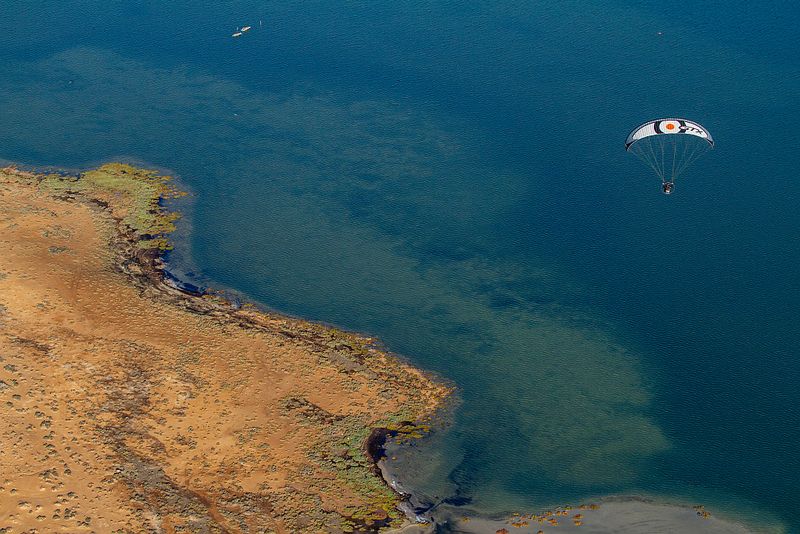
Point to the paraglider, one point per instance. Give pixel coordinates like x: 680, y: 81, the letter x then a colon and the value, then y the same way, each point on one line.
x: 669, y: 146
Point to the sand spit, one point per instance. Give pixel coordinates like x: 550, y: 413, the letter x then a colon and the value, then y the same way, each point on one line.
x: 129, y: 406
x: 633, y: 516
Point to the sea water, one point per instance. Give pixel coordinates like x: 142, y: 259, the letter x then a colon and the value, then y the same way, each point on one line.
x: 450, y: 177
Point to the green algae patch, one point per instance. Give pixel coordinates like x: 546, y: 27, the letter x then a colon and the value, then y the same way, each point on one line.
x: 348, y: 454
x: 355, y: 469
x: 132, y: 194
x: 406, y: 432
x: 344, y: 456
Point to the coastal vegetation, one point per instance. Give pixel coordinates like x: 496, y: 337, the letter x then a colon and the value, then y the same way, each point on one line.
x: 133, y: 194
x: 139, y: 406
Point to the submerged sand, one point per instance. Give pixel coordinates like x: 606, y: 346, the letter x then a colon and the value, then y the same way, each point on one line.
x: 129, y: 406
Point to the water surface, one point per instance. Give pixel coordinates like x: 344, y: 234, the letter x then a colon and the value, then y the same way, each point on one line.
x: 451, y: 178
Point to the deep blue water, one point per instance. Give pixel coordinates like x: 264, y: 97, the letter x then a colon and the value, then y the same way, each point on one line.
x: 450, y: 177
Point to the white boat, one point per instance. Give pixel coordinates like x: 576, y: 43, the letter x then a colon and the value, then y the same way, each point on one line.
x: 237, y: 34
x: 244, y: 29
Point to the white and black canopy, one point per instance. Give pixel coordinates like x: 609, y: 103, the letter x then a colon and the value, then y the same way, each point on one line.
x: 668, y: 126
x: 670, y: 145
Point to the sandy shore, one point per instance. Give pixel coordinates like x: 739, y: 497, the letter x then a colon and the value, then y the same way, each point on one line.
x: 129, y: 406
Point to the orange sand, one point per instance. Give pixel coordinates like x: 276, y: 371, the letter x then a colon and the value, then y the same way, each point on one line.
x: 127, y: 406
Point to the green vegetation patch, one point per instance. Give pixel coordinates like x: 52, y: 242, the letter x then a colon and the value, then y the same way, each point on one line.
x: 133, y: 194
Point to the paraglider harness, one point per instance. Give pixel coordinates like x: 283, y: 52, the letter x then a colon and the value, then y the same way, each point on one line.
x: 667, y: 187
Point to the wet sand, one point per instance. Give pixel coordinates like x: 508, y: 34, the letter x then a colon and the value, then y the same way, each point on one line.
x: 127, y: 405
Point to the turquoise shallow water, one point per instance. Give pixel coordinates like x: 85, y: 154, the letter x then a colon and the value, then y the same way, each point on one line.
x: 451, y: 178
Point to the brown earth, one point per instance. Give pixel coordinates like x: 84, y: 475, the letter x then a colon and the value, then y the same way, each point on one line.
x: 129, y: 406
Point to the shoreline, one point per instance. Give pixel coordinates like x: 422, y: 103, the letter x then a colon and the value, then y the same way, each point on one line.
x: 147, y: 269
x: 386, y: 390
x: 156, y: 270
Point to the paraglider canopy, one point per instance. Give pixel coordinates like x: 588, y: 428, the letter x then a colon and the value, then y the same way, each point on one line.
x: 666, y: 127
x: 669, y: 145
